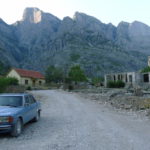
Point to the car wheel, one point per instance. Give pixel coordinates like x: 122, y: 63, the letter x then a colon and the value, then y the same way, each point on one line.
x: 37, y: 117
x: 17, y: 129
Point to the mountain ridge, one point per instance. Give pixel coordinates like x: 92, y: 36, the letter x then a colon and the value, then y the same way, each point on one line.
x: 41, y: 39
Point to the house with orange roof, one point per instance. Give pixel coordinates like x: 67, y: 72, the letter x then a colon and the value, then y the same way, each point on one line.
x: 27, y: 77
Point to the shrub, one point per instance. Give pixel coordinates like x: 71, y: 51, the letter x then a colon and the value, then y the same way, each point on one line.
x: 116, y: 84
x: 28, y: 88
x: 5, y: 82
x: 12, y: 81
x: 70, y: 87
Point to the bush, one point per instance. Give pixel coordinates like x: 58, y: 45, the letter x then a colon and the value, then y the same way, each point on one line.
x: 116, y: 84
x: 12, y: 81
x: 70, y: 87
x: 29, y: 88
x: 5, y: 82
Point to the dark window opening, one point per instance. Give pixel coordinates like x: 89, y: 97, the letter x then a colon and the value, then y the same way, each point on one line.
x: 146, y: 77
x: 126, y: 78
x: 33, y: 82
x: 130, y: 78
x: 121, y: 77
x: 26, y: 82
x: 40, y: 82
x: 114, y: 78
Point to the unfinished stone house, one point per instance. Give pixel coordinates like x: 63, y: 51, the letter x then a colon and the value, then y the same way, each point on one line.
x: 131, y: 78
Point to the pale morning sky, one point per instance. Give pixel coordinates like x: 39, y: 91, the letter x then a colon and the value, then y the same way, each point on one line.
x: 107, y: 11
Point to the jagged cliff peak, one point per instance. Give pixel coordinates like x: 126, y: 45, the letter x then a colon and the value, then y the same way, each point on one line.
x: 138, y: 24
x: 123, y: 23
x: 33, y: 15
x: 80, y: 17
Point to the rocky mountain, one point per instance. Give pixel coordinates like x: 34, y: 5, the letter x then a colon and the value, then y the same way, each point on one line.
x: 10, y: 53
x: 134, y: 36
x: 41, y: 39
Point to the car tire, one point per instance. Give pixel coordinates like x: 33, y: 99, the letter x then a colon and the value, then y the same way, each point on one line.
x: 17, y: 129
x: 37, y: 117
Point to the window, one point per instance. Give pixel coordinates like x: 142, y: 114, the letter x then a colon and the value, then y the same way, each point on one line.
x: 114, y: 78
x: 40, y: 82
x: 26, y: 82
x: 146, y: 77
x: 32, y: 100
x: 119, y: 77
x: 11, y: 101
x: 33, y: 82
x: 130, y: 78
x: 27, y: 100
x: 126, y: 78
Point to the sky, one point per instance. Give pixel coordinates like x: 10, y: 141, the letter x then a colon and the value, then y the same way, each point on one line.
x: 107, y: 11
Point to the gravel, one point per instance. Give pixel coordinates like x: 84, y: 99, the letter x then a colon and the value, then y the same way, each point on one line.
x: 69, y: 122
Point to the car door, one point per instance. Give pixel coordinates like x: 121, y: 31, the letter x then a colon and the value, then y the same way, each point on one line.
x: 33, y: 105
x: 27, y: 109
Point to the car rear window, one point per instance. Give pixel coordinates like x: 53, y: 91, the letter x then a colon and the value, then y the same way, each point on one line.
x: 11, y: 101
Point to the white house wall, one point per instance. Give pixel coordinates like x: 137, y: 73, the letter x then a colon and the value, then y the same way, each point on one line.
x: 14, y: 74
x: 30, y: 81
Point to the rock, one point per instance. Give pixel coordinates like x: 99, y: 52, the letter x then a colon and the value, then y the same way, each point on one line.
x: 128, y: 106
x: 138, y: 92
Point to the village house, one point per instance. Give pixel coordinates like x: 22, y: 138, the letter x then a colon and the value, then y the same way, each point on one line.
x: 27, y: 77
x: 132, y: 78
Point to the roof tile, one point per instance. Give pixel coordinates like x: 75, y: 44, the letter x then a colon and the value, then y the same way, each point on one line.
x: 29, y: 73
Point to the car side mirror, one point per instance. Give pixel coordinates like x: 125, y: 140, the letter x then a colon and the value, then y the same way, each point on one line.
x: 26, y: 104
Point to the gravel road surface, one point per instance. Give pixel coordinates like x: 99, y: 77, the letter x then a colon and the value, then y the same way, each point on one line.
x: 69, y: 122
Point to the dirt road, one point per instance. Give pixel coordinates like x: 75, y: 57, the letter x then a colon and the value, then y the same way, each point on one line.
x: 69, y: 122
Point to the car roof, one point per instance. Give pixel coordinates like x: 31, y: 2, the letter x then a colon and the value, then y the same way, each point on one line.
x: 14, y: 94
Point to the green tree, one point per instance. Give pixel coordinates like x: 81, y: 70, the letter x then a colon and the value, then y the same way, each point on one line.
x: 146, y: 69
x: 76, y: 74
x: 54, y: 74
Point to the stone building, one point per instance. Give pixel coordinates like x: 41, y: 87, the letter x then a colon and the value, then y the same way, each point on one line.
x: 133, y: 78
x: 27, y: 77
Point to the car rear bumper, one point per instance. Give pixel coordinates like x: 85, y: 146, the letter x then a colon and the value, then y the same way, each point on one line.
x: 5, y: 128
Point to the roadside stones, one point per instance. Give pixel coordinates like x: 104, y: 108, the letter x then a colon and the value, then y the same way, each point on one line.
x: 138, y: 92
x: 120, y: 98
